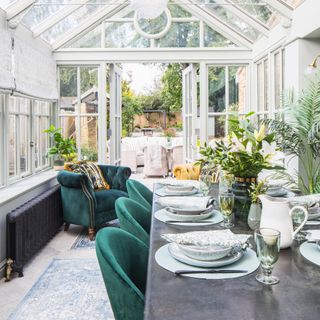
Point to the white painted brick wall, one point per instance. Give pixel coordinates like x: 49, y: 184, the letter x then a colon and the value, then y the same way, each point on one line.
x: 35, y: 67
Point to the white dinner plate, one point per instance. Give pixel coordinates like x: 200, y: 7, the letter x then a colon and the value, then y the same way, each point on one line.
x: 189, y: 217
x: 215, y: 218
x: 164, y: 192
x: 180, y: 256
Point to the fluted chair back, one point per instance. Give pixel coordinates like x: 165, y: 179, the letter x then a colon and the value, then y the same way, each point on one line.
x: 139, y: 193
x: 123, y: 261
x: 134, y: 218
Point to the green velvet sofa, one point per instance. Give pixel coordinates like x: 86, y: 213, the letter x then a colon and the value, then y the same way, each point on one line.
x: 89, y: 208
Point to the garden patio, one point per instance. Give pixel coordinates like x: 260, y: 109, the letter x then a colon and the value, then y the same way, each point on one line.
x: 159, y: 159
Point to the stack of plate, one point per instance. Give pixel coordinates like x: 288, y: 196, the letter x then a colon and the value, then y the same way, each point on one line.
x: 192, y: 214
x: 177, y: 190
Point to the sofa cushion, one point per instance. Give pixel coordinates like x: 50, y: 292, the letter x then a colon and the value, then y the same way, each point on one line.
x: 106, y: 199
x: 92, y: 171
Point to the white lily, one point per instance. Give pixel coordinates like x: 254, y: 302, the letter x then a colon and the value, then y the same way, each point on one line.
x: 271, y: 154
x: 249, y: 148
x: 237, y: 146
x: 261, y: 134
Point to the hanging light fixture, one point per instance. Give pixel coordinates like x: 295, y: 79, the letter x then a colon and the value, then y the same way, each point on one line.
x: 146, y: 9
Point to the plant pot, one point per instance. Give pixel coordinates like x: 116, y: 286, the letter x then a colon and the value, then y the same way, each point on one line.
x: 254, y: 216
x: 242, y: 200
x: 58, y: 165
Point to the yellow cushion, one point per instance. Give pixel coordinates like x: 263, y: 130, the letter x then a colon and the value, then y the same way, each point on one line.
x: 186, y: 172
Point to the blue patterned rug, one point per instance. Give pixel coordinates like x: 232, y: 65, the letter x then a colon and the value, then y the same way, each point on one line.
x: 83, y: 241
x: 68, y: 290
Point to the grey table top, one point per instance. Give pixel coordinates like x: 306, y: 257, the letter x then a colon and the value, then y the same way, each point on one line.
x: 168, y: 297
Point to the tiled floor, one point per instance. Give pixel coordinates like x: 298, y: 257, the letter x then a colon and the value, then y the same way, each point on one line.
x: 11, y: 293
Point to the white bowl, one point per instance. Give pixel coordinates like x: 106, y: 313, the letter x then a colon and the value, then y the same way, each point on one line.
x: 205, y: 253
x: 190, y: 211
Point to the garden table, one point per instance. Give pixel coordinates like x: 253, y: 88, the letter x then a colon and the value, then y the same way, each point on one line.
x: 170, y: 297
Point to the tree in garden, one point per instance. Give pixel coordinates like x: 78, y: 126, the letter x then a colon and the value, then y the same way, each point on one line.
x: 130, y: 107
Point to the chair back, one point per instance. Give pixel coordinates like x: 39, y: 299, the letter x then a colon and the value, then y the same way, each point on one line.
x: 123, y: 261
x: 140, y: 193
x: 134, y: 218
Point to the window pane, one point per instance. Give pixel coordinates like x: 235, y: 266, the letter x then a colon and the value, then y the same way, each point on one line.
x: 68, y: 126
x: 124, y: 35
x: 24, y: 143
x: 181, y: 34
x: 178, y: 12
x: 216, y: 127
x: 89, y: 90
x: 277, y: 80
x: 44, y: 141
x: 37, y: 134
x: 260, y: 86
x: 237, y: 88
x: 217, y: 89
x: 266, y: 85
x: 89, y: 138
x: 214, y: 39
x: 12, y: 146
x: 90, y: 40
x: 68, y: 89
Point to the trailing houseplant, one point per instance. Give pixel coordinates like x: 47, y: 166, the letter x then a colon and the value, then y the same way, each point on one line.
x: 63, y: 149
x: 299, y: 134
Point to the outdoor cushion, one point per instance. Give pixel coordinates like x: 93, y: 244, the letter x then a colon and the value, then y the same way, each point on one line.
x: 123, y: 261
x: 106, y: 199
x: 134, y: 218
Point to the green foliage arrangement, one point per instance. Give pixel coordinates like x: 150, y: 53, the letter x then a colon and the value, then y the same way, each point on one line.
x: 299, y: 134
x: 246, y: 152
x: 257, y: 189
x: 169, y: 133
x: 63, y: 148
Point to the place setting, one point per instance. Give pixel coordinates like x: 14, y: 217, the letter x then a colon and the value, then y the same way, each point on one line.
x: 310, y: 249
x: 188, y: 211
x: 178, y: 189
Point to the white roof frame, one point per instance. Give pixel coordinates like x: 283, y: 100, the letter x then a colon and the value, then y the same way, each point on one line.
x: 17, y: 7
x: 249, y: 19
x: 57, y: 17
x: 281, y: 7
x: 89, y: 23
x: 216, y: 23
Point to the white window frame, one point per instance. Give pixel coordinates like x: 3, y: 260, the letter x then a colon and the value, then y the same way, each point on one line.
x: 227, y: 112
x: 77, y: 114
x: 5, y: 180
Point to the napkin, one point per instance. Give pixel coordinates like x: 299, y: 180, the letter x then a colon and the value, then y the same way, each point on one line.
x: 198, y: 203
x: 313, y: 235
x: 311, y: 199
x: 224, y: 238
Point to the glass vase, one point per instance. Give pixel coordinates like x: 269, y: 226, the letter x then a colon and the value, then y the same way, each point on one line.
x: 254, y: 216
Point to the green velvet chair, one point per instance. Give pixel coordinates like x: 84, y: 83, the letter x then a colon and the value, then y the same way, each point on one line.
x: 123, y: 261
x: 89, y: 208
x: 134, y: 218
x: 140, y: 193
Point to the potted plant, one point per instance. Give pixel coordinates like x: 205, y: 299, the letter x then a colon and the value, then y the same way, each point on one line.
x: 254, y: 216
x: 169, y: 133
x: 63, y: 149
x: 244, y: 154
x: 299, y: 135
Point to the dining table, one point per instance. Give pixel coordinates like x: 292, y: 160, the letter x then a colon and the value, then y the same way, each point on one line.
x: 171, y: 297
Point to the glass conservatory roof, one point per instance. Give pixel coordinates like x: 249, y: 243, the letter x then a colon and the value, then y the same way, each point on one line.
x: 109, y: 23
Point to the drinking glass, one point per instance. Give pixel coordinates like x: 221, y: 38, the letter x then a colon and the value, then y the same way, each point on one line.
x: 298, y: 217
x: 226, y: 202
x: 205, y: 183
x: 268, y: 247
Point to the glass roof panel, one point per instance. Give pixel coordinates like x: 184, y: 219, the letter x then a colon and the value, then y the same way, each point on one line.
x: 293, y: 3
x: 6, y: 3
x: 42, y: 10
x: 231, y: 19
x: 73, y: 20
x: 178, y: 12
x: 214, y: 39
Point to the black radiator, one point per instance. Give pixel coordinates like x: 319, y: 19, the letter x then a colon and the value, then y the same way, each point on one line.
x: 30, y: 227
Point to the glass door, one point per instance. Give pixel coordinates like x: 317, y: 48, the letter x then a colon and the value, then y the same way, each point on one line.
x: 189, y: 111
x: 115, y: 115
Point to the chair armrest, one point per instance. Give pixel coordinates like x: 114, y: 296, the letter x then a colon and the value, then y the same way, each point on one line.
x: 72, y: 180
x: 116, y: 176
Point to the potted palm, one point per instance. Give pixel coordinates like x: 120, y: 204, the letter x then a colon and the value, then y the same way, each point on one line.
x: 299, y: 135
x: 63, y: 149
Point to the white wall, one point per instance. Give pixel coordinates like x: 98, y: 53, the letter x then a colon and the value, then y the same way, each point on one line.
x: 35, y: 67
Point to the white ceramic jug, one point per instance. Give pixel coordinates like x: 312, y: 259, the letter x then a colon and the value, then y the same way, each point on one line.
x: 276, y: 214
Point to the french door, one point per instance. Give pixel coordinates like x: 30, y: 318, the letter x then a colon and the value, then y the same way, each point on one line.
x: 115, y: 114
x: 189, y: 112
